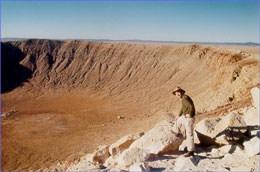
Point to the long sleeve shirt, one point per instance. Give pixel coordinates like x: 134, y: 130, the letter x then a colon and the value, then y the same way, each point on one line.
x: 187, y: 106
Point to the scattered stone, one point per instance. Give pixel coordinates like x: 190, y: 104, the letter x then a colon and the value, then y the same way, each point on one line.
x: 119, y: 117
x: 252, y: 146
x: 84, y: 164
x: 8, y: 114
x: 163, y: 163
x: 139, y: 167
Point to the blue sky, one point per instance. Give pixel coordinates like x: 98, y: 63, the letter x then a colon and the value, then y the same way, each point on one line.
x: 210, y: 21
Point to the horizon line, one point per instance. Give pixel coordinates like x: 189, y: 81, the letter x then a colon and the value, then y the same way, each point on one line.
x: 129, y: 40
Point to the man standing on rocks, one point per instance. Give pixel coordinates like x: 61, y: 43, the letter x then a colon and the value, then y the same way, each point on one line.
x: 186, y: 118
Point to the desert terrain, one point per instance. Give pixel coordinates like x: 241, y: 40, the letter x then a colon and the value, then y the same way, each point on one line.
x: 65, y: 98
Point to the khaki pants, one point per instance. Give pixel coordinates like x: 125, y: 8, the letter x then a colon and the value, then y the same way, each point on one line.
x: 188, y: 124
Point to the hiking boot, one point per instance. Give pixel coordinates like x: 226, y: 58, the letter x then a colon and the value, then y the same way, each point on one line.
x: 175, y: 134
x: 188, y: 154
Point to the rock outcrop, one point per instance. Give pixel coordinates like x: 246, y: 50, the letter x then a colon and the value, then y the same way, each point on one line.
x: 122, y: 144
x: 132, y: 156
x: 85, y: 163
x: 157, y: 149
x: 101, y: 154
x: 204, y: 131
x: 230, y: 127
x: 252, y: 146
x: 230, y: 157
x: 132, y: 150
x: 252, y: 116
x: 159, y: 139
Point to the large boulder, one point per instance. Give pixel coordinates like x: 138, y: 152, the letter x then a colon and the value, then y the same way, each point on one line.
x: 231, y: 127
x: 139, y: 167
x: 133, y: 155
x: 122, y: 144
x: 252, y: 146
x: 207, y: 126
x: 255, y: 96
x: 159, y: 139
x: 204, y: 131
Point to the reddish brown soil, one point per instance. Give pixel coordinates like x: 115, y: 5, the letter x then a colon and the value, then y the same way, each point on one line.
x: 56, y: 127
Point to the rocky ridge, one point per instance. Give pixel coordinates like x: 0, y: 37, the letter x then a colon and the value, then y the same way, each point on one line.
x: 113, y: 69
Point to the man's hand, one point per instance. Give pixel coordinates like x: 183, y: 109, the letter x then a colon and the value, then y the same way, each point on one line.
x: 187, y: 115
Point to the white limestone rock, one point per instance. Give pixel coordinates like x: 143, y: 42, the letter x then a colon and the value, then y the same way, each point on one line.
x: 159, y: 139
x: 133, y: 155
x: 251, y: 116
x: 139, y: 167
x: 84, y: 164
x: 111, y: 161
x: 204, y: 130
x: 214, y: 131
x: 186, y: 164
x: 252, y: 146
x: 123, y: 144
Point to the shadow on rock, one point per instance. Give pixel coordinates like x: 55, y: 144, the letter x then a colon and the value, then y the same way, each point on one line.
x: 12, y: 72
x: 157, y: 169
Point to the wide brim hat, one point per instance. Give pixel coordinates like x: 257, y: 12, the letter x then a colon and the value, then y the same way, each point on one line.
x: 178, y: 89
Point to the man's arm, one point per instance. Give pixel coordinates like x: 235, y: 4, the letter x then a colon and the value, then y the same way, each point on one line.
x: 192, y: 109
x: 180, y: 113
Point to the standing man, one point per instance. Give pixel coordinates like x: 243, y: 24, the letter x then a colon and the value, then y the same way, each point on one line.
x: 185, y: 118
